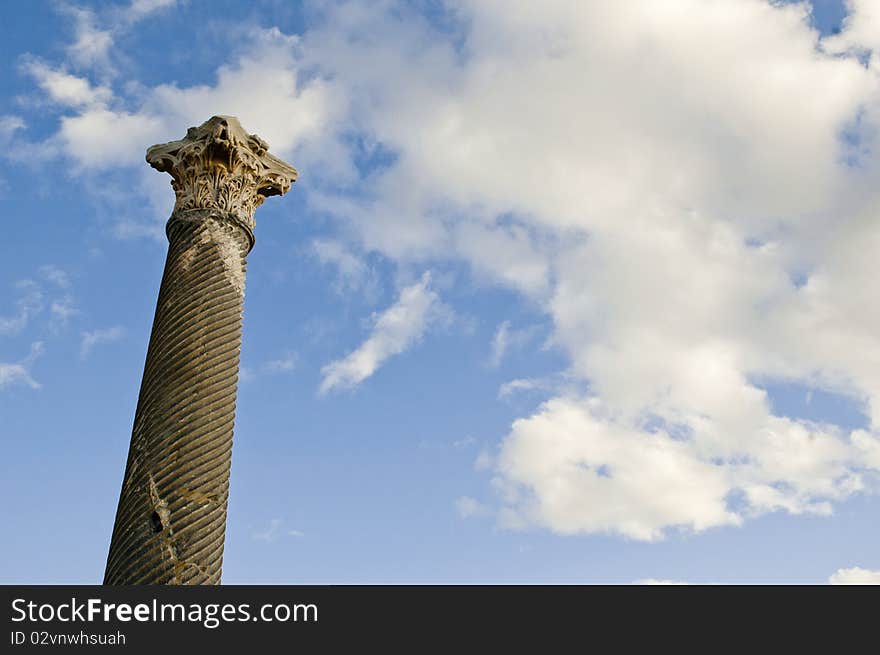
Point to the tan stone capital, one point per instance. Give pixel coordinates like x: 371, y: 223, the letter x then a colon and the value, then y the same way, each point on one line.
x: 218, y: 166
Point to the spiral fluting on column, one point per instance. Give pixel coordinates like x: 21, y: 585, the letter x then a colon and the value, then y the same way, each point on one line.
x: 172, y: 511
x: 171, y: 519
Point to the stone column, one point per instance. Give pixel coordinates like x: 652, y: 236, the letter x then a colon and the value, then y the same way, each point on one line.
x: 171, y: 519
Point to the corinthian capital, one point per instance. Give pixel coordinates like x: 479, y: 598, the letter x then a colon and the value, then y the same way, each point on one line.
x: 218, y: 166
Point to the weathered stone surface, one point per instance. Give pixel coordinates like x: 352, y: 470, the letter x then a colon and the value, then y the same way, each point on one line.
x: 171, y: 519
x: 220, y: 166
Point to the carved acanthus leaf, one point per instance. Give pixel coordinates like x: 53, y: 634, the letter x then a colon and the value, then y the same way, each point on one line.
x: 218, y: 165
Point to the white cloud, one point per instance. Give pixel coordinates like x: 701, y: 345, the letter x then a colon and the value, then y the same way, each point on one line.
x: 67, y: 89
x: 545, y: 386
x: 55, y: 275
x: 63, y: 309
x: 100, y: 138
x: 506, y: 254
x: 354, y: 274
x: 12, y: 374
x: 333, y: 252
x: 9, y: 125
x: 520, y: 384
x: 273, y: 531
x: 139, y: 9
x: 91, y: 46
x: 869, y: 447
x: 263, y: 90
x: 96, y: 337
x: 855, y: 575
x: 861, y: 29
x: 506, y: 339
x: 95, y: 33
x: 282, y: 364
x: 484, y: 461
x: 499, y: 343
x: 137, y: 229
x: 573, y: 469
x: 395, y: 330
x: 270, y: 533
x: 32, y: 301
x: 19, y: 373
x: 246, y: 374
x: 29, y: 304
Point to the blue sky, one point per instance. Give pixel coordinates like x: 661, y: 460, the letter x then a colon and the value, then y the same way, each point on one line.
x: 583, y: 295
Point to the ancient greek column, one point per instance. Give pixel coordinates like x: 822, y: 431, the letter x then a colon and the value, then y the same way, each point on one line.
x: 171, y: 520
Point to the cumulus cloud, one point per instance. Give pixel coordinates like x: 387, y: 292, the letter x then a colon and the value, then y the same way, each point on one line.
x: 855, y: 575
x: 691, y: 224
x: 556, y: 464
x: 664, y: 243
x: 861, y: 30
x: 95, y: 337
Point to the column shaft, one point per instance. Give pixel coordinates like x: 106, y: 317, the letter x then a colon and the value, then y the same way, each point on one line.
x: 171, y: 518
